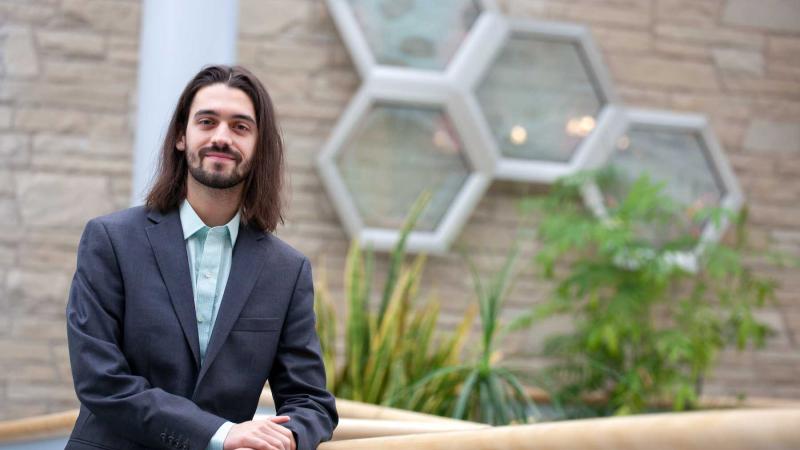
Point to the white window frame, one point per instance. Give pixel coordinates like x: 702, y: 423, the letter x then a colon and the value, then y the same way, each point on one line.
x: 362, y: 55
x: 696, y: 124
x: 435, y: 91
x: 454, y: 90
x: 477, y: 60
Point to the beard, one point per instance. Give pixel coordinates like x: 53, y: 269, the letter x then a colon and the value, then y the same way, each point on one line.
x: 216, y: 178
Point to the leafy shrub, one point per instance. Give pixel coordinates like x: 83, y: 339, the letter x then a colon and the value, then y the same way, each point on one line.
x: 395, y: 357
x: 646, y: 331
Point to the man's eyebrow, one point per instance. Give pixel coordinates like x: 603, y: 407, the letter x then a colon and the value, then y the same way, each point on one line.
x: 211, y: 112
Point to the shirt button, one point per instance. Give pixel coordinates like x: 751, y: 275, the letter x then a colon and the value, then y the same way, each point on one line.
x: 199, y: 318
x: 208, y: 274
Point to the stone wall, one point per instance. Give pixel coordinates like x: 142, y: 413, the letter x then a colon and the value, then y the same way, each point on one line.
x: 67, y: 98
x: 67, y: 80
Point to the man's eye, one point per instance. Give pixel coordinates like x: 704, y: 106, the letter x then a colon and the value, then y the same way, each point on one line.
x: 205, y: 121
x: 242, y: 127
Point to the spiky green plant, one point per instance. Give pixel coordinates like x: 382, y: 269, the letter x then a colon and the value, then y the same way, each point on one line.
x: 387, y: 350
x: 487, y: 392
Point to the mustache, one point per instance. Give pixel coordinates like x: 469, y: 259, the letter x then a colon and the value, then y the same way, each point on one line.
x: 221, y: 150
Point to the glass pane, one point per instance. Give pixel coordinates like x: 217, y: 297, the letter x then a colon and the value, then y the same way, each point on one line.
x: 539, y: 99
x: 423, y: 34
x: 676, y: 158
x: 395, y: 154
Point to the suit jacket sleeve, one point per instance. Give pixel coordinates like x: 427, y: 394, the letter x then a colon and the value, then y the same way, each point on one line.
x: 103, y: 379
x: 297, y: 378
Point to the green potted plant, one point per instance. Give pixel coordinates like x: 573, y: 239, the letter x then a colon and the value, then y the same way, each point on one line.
x: 486, y: 390
x: 395, y: 357
x: 646, y: 331
x: 393, y: 346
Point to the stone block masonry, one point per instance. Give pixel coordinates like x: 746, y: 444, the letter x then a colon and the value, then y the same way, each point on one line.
x: 65, y: 142
x: 67, y: 86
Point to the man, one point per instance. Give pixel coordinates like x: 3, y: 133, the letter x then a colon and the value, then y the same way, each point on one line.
x: 181, y: 310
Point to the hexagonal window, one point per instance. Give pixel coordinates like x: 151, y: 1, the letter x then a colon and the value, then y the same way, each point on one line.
x: 395, y: 153
x: 540, y: 98
x: 680, y: 152
x: 415, y: 33
x: 676, y: 158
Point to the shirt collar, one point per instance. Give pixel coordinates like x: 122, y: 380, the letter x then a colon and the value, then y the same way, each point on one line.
x: 192, y: 223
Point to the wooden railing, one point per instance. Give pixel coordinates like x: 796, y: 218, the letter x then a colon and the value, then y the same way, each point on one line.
x: 359, y: 410
x: 777, y: 429
x: 364, y: 426
x: 59, y: 424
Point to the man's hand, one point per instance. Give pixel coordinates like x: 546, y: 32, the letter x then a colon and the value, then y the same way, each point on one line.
x: 263, y: 434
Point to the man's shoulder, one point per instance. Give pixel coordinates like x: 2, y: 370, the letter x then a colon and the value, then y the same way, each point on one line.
x: 133, y: 216
x: 278, y: 246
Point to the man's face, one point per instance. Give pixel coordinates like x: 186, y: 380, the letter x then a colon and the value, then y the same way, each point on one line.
x: 220, y: 136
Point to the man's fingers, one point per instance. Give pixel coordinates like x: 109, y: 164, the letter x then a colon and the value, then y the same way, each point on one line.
x: 262, y: 434
x: 272, y: 442
x: 258, y: 443
x: 277, y: 434
x: 285, y: 432
x: 264, y: 440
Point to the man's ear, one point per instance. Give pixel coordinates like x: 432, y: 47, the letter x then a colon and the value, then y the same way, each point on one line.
x: 181, y: 144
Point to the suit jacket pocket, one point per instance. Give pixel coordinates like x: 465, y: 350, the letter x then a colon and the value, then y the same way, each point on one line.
x: 257, y: 324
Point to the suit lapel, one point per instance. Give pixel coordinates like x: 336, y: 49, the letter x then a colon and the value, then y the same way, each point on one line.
x: 166, y: 240
x: 247, y: 260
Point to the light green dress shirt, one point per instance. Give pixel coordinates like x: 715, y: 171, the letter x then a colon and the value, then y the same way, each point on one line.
x: 210, y: 252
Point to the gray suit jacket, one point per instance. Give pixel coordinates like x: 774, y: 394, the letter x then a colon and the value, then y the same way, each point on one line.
x: 134, y: 349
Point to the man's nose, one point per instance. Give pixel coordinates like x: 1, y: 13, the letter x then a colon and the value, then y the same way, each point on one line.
x: 222, y: 136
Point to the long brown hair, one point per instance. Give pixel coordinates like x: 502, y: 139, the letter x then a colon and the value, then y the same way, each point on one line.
x: 262, y: 197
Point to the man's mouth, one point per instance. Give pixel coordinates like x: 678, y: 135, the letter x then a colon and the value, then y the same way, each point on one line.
x: 218, y: 156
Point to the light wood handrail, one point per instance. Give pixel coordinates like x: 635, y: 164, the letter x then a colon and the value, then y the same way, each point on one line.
x: 357, y: 410
x: 705, y: 402
x: 385, y: 421
x: 38, y: 427
x: 366, y: 428
x: 776, y: 429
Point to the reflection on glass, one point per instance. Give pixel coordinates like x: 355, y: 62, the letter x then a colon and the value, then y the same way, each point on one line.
x: 680, y: 161
x: 422, y: 34
x: 623, y: 143
x: 518, y: 135
x: 544, y: 87
x: 395, y: 154
x: 580, y: 127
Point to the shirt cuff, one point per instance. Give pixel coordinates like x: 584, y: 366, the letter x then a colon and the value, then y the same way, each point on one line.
x: 218, y: 439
